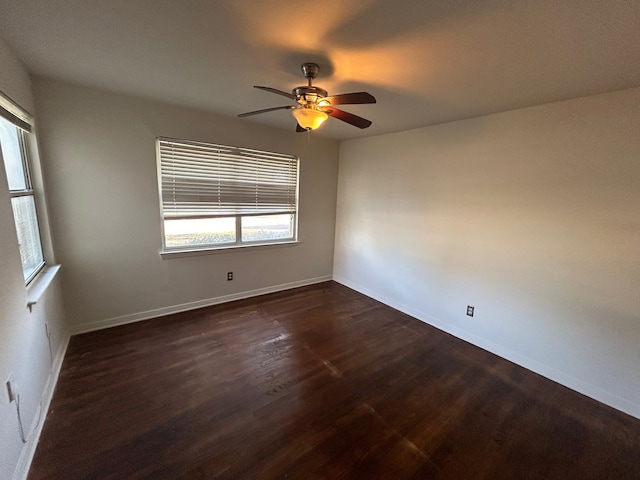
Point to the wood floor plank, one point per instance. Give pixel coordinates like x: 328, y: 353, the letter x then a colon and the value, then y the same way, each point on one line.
x: 319, y: 382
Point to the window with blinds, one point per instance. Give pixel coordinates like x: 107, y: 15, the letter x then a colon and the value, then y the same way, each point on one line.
x: 215, y: 196
x: 15, y: 127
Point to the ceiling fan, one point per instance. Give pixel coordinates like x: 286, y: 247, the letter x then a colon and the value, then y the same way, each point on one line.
x: 313, y: 105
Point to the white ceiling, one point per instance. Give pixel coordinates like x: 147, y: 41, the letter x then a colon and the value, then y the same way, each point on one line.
x: 426, y: 61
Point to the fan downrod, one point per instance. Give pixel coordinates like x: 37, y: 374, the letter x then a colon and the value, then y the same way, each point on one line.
x: 309, y: 92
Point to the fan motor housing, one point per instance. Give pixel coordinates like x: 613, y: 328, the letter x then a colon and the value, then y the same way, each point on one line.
x: 303, y: 92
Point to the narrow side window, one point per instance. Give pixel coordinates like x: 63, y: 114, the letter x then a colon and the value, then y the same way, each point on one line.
x: 15, y: 126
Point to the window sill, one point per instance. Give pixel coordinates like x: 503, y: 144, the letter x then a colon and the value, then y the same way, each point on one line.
x: 39, y: 285
x: 167, y: 254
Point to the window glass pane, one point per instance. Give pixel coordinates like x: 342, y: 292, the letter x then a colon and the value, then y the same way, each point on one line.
x: 199, y: 231
x: 10, y: 142
x: 24, y: 212
x: 267, y: 227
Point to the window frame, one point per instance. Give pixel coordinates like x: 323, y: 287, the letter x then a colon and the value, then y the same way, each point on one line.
x: 22, y: 121
x: 238, y: 217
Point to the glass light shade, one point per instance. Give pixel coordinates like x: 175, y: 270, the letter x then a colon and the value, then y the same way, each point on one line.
x: 309, y: 118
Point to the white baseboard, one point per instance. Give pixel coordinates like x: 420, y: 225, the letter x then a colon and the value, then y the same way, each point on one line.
x: 159, y: 312
x: 26, y: 457
x: 580, y: 386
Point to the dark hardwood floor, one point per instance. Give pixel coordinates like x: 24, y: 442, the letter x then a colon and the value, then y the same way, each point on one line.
x: 318, y: 382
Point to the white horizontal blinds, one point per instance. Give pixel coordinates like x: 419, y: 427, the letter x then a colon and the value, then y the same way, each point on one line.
x: 200, y: 180
x: 13, y: 113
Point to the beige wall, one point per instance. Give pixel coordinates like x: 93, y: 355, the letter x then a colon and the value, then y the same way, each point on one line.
x: 532, y: 216
x: 14, y: 78
x: 24, y: 349
x: 101, y: 177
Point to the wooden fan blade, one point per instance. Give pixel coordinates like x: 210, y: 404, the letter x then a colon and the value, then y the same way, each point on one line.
x: 350, y: 99
x: 299, y: 129
x: 275, y: 90
x: 350, y: 118
x: 265, y: 110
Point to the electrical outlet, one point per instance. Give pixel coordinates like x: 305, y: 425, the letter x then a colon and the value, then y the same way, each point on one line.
x: 229, y: 276
x: 470, y: 310
x: 12, y: 388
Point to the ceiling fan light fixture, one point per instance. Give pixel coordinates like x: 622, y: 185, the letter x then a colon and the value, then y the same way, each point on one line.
x: 313, y: 105
x: 309, y: 118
